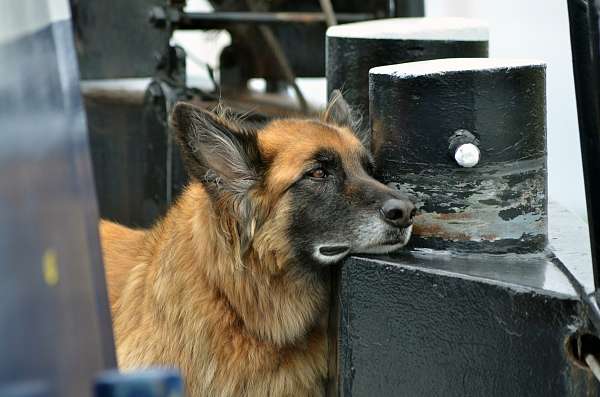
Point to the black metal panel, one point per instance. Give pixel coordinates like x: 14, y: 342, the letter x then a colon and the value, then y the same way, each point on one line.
x: 500, y: 205
x: 115, y: 39
x: 54, y: 320
x: 585, y: 44
x: 429, y: 324
x: 349, y: 60
x: 118, y: 147
x: 138, y: 170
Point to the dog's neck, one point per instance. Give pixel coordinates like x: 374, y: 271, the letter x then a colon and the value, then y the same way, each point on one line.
x: 280, y: 307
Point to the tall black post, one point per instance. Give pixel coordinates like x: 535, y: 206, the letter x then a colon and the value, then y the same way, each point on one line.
x: 466, y: 137
x: 585, y: 44
x: 354, y: 48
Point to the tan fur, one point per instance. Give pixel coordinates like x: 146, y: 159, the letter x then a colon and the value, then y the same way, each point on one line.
x: 182, y: 294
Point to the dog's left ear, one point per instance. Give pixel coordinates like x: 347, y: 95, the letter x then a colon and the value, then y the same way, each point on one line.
x: 339, y: 112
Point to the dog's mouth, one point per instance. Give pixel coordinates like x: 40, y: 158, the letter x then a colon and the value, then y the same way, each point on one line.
x: 390, y: 244
x: 334, y: 250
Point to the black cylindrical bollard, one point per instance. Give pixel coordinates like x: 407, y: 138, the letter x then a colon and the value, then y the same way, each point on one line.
x: 354, y: 48
x: 467, y: 137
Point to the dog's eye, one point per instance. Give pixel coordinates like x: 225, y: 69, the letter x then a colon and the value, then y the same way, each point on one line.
x: 318, y: 173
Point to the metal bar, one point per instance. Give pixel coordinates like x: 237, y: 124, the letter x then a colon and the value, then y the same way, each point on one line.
x: 284, y: 65
x: 220, y: 20
x: 583, y: 20
x: 327, y: 9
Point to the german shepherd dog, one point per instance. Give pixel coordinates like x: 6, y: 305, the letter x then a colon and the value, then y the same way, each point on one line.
x: 230, y: 286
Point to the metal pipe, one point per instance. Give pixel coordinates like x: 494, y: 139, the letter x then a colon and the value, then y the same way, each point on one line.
x: 327, y: 9
x: 583, y: 21
x: 159, y: 17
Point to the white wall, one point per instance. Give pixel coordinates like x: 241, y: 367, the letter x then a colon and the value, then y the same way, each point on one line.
x: 537, y: 29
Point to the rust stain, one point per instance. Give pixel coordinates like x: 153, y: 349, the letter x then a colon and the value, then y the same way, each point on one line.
x: 454, y: 216
x: 434, y: 230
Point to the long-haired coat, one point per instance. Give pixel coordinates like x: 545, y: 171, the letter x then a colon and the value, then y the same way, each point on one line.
x: 230, y: 286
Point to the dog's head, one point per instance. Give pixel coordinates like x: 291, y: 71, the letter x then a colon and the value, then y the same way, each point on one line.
x: 299, y: 187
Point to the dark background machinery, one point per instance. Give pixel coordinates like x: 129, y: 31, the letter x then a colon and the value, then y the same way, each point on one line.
x: 137, y: 167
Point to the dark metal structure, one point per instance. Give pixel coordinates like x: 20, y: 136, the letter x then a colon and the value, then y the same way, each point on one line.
x: 353, y: 49
x: 481, y: 317
x: 177, y: 19
x: 426, y: 324
x: 500, y: 204
x: 114, y: 39
x: 464, y: 311
x: 585, y: 43
x: 137, y: 168
x: 303, y: 46
x: 100, y: 29
x: 55, y: 326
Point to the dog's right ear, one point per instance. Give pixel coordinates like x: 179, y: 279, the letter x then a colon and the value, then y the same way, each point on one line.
x: 339, y: 112
x: 217, y: 150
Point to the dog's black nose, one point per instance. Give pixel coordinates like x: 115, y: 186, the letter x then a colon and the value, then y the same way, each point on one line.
x: 398, y: 212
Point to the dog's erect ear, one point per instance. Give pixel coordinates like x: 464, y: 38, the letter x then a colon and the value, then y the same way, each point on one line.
x: 338, y: 112
x: 217, y: 150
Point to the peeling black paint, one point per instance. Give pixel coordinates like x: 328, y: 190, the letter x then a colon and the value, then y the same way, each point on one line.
x: 526, y: 244
x: 513, y: 212
x: 498, y: 206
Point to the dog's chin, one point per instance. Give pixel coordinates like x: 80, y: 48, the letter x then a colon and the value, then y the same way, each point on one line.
x: 328, y: 254
x: 387, y: 246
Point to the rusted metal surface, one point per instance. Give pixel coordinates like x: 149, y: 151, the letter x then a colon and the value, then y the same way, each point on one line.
x: 495, y: 203
x: 498, y: 206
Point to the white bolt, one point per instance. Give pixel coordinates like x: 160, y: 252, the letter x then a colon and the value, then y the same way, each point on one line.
x: 467, y: 155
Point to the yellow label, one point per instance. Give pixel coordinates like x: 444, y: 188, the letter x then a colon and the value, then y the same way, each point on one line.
x: 50, y: 267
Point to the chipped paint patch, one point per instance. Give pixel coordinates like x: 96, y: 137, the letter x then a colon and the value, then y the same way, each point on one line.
x: 494, y: 203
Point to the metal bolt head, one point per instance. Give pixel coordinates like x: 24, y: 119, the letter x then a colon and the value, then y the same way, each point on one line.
x: 467, y: 155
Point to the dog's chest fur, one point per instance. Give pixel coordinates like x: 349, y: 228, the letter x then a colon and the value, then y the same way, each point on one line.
x: 233, y: 331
